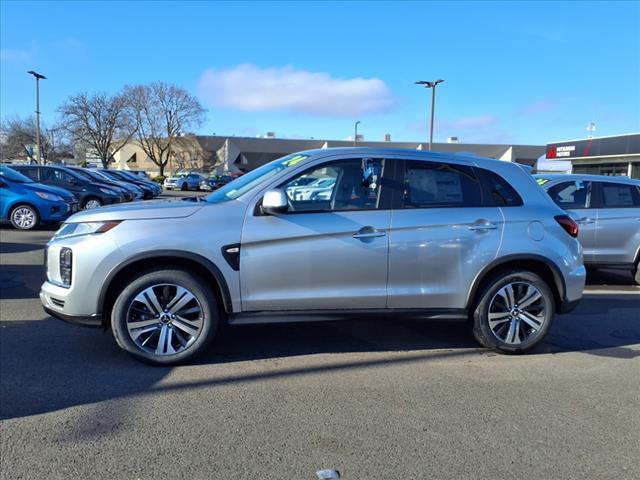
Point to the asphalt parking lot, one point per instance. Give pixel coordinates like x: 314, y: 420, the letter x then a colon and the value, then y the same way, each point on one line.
x: 374, y: 399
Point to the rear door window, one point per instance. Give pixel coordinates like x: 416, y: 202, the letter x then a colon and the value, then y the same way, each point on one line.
x: 617, y: 195
x: 436, y: 184
x: 31, y: 172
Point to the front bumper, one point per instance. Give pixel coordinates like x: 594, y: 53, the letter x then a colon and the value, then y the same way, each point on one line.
x: 94, y: 321
x: 57, y: 211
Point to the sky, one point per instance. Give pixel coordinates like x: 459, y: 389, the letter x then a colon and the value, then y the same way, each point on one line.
x: 515, y: 72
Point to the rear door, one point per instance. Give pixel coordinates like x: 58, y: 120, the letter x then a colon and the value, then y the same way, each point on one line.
x: 441, y: 235
x: 618, y: 223
x: 329, y: 251
x: 578, y: 199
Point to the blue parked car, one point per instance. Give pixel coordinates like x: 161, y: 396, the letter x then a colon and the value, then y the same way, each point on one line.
x: 27, y: 204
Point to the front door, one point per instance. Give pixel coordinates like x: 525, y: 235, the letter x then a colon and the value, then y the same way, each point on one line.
x: 575, y: 196
x: 328, y: 251
x: 57, y: 177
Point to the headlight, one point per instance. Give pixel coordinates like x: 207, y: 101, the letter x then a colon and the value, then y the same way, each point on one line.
x: 85, y: 228
x: 50, y: 196
x: 66, y: 259
x: 108, y: 191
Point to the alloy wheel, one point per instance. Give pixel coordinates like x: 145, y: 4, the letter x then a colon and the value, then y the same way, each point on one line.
x: 517, y: 313
x: 93, y: 203
x: 164, y: 319
x: 24, y: 218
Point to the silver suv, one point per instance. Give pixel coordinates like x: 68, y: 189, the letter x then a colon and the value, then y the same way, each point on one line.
x: 608, y: 212
x: 399, y: 233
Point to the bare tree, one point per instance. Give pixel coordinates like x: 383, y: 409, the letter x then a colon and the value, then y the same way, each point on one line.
x: 18, y: 141
x: 100, y: 122
x: 162, y: 112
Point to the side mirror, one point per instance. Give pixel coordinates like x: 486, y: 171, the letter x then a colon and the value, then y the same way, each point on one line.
x: 274, y: 202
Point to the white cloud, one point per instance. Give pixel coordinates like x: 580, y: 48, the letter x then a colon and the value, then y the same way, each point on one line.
x: 539, y: 106
x: 250, y: 88
x: 9, y: 55
x: 467, y: 123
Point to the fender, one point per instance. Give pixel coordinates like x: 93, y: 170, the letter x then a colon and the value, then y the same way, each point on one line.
x: 206, y: 263
x: 557, y: 275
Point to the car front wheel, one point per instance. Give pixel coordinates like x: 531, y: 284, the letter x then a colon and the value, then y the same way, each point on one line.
x: 165, y: 317
x: 92, y: 203
x: 24, y: 217
x: 514, y: 312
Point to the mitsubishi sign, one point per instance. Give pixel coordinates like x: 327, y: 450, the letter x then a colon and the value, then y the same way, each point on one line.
x: 595, y: 147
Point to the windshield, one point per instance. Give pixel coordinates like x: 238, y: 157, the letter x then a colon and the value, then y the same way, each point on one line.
x: 83, y: 174
x: 128, y: 175
x: 11, y: 174
x: 243, y: 184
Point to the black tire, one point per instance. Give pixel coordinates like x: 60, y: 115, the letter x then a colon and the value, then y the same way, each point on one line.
x: 636, y: 273
x: 518, y: 279
x: 19, y: 221
x: 206, y: 299
x: 91, y: 199
x: 184, y: 187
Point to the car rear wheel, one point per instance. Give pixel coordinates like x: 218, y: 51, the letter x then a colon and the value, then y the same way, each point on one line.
x: 165, y: 317
x: 92, y: 202
x: 24, y: 217
x: 514, y: 312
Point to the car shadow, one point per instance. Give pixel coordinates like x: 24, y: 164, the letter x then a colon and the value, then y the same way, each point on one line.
x: 608, y: 277
x: 47, y: 365
x: 20, y: 281
x: 11, y: 247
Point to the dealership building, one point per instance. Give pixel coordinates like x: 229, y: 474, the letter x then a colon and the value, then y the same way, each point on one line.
x: 219, y: 154
x: 614, y: 155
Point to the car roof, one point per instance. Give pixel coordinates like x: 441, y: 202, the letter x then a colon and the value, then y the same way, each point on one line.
x: 463, y: 157
x: 587, y: 177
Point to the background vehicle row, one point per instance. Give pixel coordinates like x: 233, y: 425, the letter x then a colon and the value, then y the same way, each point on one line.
x: 26, y: 189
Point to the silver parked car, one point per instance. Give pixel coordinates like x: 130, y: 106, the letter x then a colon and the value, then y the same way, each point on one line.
x: 608, y: 212
x: 184, y: 181
x: 403, y: 233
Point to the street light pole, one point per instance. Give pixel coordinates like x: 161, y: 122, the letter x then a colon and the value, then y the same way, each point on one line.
x: 38, y: 77
x: 355, y: 135
x: 432, y: 86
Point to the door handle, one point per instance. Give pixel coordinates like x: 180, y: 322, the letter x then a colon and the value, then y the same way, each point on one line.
x: 480, y: 226
x: 368, y: 232
x: 585, y: 220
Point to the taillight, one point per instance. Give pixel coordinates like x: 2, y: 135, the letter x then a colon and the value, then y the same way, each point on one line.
x: 569, y: 224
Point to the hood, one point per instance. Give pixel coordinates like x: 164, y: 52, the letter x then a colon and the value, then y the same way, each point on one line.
x: 165, y: 209
x: 46, y: 188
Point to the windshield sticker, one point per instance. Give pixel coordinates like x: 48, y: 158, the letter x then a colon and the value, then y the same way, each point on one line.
x: 295, y: 160
x: 542, y: 181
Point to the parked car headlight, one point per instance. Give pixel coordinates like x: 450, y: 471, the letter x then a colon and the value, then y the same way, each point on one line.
x: 50, y: 196
x: 108, y: 191
x: 85, y: 228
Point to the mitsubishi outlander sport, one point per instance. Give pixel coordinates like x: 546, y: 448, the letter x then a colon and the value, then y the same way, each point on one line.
x: 396, y: 232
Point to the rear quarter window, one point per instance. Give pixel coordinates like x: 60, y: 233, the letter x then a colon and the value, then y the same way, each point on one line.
x: 499, y: 192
